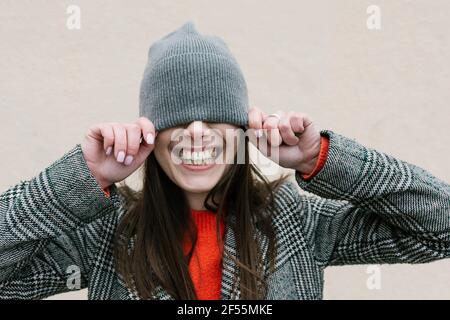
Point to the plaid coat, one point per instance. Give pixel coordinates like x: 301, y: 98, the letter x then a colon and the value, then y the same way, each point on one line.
x: 363, y: 207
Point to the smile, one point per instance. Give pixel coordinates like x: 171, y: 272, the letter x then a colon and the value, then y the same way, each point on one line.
x: 197, y: 158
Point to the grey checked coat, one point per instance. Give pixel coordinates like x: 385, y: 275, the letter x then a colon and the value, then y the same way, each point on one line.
x: 368, y: 207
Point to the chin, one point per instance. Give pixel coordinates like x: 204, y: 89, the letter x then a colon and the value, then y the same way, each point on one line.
x: 196, y: 189
x: 198, y: 183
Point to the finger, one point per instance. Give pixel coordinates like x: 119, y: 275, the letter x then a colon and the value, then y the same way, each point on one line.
x: 101, y: 133
x: 255, y: 121
x: 306, y: 120
x: 287, y: 134
x: 272, y: 133
x: 133, y: 142
x: 297, y: 123
x: 120, y: 142
x: 108, y: 138
x: 148, y: 129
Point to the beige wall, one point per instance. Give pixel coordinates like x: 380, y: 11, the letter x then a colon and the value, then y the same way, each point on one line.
x: 389, y: 89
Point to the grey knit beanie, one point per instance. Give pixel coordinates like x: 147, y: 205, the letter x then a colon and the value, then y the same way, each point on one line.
x: 190, y: 76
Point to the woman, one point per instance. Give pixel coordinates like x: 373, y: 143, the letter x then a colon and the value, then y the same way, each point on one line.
x: 207, y: 224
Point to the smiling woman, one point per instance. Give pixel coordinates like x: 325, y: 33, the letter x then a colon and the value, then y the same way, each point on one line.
x: 188, y: 206
x: 206, y: 225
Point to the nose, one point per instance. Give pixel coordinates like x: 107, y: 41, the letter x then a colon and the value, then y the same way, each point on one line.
x: 199, y: 132
x: 196, y: 128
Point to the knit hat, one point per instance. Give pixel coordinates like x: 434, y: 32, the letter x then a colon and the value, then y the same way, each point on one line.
x: 190, y: 76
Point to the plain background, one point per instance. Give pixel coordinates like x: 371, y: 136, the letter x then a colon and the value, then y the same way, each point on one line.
x: 388, y: 88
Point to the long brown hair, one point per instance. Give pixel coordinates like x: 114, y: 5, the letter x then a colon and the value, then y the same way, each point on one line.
x: 148, y: 248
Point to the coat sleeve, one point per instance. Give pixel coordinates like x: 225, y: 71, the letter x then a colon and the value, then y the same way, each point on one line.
x: 369, y: 207
x: 46, y: 227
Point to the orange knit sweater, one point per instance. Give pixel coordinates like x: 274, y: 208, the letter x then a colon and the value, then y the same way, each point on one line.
x: 205, y: 266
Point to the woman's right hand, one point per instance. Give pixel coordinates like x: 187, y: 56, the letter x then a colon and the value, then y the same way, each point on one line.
x: 113, y: 151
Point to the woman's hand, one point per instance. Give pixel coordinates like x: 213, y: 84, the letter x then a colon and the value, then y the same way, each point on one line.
x: 292, y: 141
x: 113, y: 151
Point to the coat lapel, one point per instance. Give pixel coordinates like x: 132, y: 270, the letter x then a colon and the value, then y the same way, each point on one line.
x: 229, y: 268
x: 230, y: 277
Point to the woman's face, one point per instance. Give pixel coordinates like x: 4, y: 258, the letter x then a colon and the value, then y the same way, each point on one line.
x: 196, y: 155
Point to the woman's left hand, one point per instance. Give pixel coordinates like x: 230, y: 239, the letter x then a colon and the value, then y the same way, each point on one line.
x: 292, y: 140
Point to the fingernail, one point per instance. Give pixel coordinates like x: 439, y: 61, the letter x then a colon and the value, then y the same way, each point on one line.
x: 258, y: 133
x: 150, y: 138
x: 128, y: 160
x: 108, y: 151
x: 121, y: 156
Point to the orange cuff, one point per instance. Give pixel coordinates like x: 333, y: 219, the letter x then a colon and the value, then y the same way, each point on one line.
x: 106, y: 192
x: 323, y: 154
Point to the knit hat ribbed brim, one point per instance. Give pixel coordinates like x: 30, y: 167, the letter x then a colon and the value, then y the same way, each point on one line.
x: 190, y: 76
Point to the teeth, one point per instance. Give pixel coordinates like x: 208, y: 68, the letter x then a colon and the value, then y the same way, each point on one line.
x: 186, y: 154
x: 198, y: 157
